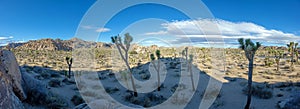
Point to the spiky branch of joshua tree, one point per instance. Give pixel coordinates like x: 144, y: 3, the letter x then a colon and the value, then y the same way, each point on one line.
x: 249, y: 48
x: 125, y: 46
x: 156, y: 67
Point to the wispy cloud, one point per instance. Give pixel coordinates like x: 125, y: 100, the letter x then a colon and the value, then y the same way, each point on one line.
x: 6, y: 37
x: 4, y: 40
x: 156, y: 33
x: 100, y: 30
x: 96, y: 29
x: 199, y: 31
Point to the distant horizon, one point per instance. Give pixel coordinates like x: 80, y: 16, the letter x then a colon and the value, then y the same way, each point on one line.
x: 237, y: 46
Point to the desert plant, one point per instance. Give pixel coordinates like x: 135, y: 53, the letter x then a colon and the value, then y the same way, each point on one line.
x: 260, y: 91
x: 125, y: 46
x: 156, y: 67
x: 69, y: 62
x: 249, y: 48
x: 77, y: 99
x: 54, y: 83
x: 267, y: 59
x: 292, y: 48
x: 189, y: 63
x: 278, y: 56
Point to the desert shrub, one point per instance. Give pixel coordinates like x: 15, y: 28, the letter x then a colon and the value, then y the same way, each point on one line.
x: 284, y: 84
x: 77, y: 99
x: 68, y: 82
x: 260, y: 91
x: 55, y: 75
x: 54, y: 83
x: 89, y: 93
x: 45, y: 75
x: 54, y: 101
x: 145, y: 76
x: 133, y: 52
x: 290, y: 103
x: 173, y: 65
x: 177, y: 99
x: 178, y: 87
x: 49, y: 99
x: 111, y: 90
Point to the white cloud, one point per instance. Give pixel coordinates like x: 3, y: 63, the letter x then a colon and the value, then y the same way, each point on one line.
x: 96, y: 29
x: 100, y: 30
x: 201, y: 30
x: 6, y: 37
x: 156, y: 33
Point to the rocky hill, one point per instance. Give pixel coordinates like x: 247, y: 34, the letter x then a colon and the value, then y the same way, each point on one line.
x: 57, y: 44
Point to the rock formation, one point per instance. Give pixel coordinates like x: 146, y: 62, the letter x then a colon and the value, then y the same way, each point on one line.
x: 11, y: 91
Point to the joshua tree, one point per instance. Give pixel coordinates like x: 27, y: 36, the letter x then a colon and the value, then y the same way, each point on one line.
x: 125, y: 46
x: 278, y: 56
x: 189, y: 63
x: 292, y: 47
x: 250, y: 48
x: 267, y: 58
x: 186, y: 53
x: 69, y: 62
x: 156, y: 67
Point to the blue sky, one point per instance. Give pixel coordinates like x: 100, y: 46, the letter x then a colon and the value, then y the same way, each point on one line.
x: 273, y: 22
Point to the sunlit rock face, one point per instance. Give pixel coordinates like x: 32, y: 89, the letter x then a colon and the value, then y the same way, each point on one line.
x: 11, y: 91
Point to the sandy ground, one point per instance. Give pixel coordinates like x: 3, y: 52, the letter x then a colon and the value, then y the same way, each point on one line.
x: 209, y: 85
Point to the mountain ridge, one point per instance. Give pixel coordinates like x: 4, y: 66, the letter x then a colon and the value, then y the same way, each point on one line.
x: 57, y: 44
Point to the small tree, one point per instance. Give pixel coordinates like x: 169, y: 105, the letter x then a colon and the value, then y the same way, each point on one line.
x: 189, y: 62
x: 278, y: 56
x: 69, y: 62
x: 292, y: 47
x: 296, y: 52
x: 125, y: 46
x: 156, y: 67
x: 250, y: 48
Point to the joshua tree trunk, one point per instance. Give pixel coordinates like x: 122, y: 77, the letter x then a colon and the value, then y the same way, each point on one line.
x: 249, y: 83
x: 158, y: 76
x: 157, y: 68
x: 191, y: 73
x: 292, y: 61
x: 132, y: 81
x: 297, y: 57
x: 128, y: 67
x: 277, y: 66
x: 69, y: 76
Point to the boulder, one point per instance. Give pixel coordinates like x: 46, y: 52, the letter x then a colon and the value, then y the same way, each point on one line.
x: 11, y: 91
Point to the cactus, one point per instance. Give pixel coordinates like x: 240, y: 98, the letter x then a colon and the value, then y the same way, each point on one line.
x: 125, y: 46
x: 69, y: 62
x: 292, y: 48
x: 250, y: 48
x: 156, y: 67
